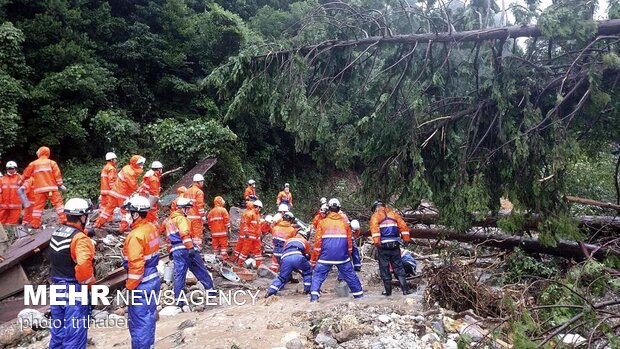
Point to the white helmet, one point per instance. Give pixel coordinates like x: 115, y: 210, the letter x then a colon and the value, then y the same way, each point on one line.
x: 11, y: 164
x: 283, y: 208
x: 269, y: 219
x: 110, y: 156
x: 333, y: 202
x: 137, y: 204
x: 198, y: 178
x: 78, y: 207
x: 288, y: 216
x: 323, y: 201
x: 258, y: 203
x: 324, y: 208
x: 141, y: 161
x: 355, y: 224
x: 156, y: 165
x: 286, y: 185
x: 184, y: 203
x: 251, y: 182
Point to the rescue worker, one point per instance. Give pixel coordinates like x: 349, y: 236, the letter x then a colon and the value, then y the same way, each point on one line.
x: 196, y: 214
x: 409, y: 263
x: 180, y: 194
x: 285, y: 197
x: 183, y: 251
x: 250, y: 191
x: 47, y: 182
x: 246, y: 216
x: 386, y: 228
x: 250, y: 223
x: 219, y: 223
x: 71, y: 257
x: 356, y: 258
x: 282, y: 209
x: 319, y: 216
x: 27, y: 190
x: 295, y: 254
x: 151, y: 188
x: 281, y: 232
x: 333, y: 246
x: 108, y: 178
x: 126, y: 184
x: 10, y: 203
x: 140, y: 258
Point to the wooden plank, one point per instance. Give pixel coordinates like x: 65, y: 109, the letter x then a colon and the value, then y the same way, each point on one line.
x: 201, y: 167
x: 13, y: 281
x: 24, y: 248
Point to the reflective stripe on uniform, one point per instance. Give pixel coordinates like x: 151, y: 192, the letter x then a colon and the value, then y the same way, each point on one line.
x: 334, y: 262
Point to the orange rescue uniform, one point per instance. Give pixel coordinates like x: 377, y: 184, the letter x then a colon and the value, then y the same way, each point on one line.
x: 219, y: 222
x: 251, y: 229
x: 196, y: 213
x: 151, y: 185
x: 108, y: 178
x: 47, y: 179
x: 10, y: 203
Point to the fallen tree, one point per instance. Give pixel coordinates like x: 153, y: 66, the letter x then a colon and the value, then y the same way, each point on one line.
x: 564, y: 248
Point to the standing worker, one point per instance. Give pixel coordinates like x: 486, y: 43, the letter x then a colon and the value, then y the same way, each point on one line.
x: 246, y: 217
x: 151, y: 188
x: 140, y: 258
x: 47, y: 183
x: 126, y: 184
x: 281, y: 232
x: 250, y: 191
x: 285, y: 197
x: 219, y: 223
x: 356, y: 258
x: 319, y: 216
x: 294, y: 258
x: 250, y: 224
x: 333, y: 246
x: 108, y: 178
x: 183, y: 251
x: 196, y: 214
x: 386, y: 228
x: 10, y: 203
x: 71, y: 257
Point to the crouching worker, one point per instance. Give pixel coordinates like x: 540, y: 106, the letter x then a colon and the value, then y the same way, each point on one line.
x: 182, y: 250
x: 140, y: 258
x: 409, y: 263
x: 71, y: 258
x: 294, y: 257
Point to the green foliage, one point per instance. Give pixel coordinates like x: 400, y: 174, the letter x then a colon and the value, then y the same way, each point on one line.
x: 568, y: 20
x: 78, y: 178
x: 561, y: 227
x: 189, y: 141
x: 521, y: 266
x: 115, y: 130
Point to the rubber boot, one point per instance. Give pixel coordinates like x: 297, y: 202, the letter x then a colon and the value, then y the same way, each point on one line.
x: 388, y: 288
x: 403, y: 285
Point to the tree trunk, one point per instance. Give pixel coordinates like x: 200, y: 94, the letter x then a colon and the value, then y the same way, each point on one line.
x: 564, y: 248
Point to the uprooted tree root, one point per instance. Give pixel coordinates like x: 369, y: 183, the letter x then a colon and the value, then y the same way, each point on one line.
x: 456, y: 287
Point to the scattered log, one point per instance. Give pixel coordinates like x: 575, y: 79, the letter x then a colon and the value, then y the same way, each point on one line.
x: 591, y: 202
x: 564, y: 248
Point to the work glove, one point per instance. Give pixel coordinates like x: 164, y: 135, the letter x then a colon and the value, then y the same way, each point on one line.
x: 62, y: 188
x: 191, y: 252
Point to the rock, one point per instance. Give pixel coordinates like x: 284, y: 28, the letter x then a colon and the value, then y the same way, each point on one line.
x: 410, y: 301
x: 394, y: 316
x: 384, y: 318
x: 438, y: 328
x: 32, y: 318
x: 271, y: 300
x: 198, y: 308
x: 186, y: 309
x: 11, y: 333
x: 165, y: 286
x: 436, y: 345
x: 171, y: 310
x: 264, y: 272
x: 430, y: 338
x: 348, y: 322
x: 295, y: 343
x: 120, y: 311
x: 190, y: 278
x: 450, y: 344
x: 100, y: 315
x: 419, y: 318
x: 348, y: 335
x: 572, y: 339
x: 186, y: 324
x: 274, y: 326
x: 474, y: 331
x: 325, y: 340
x: 451, y: 325
x: 377, y: 345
